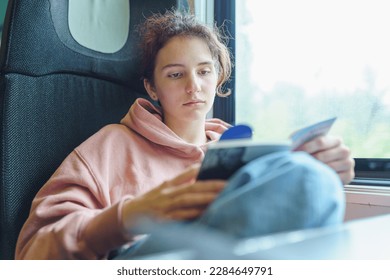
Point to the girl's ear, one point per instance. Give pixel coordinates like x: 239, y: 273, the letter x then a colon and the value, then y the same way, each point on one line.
x: 150, y: 89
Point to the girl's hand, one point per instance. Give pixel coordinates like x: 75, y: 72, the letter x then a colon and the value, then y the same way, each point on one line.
x: 182, y: 198
x: 331, y: 151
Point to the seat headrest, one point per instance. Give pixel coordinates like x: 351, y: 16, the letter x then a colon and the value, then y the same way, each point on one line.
x: 94, y: 38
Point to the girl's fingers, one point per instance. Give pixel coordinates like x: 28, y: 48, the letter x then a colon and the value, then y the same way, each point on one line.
x: 185, y: 214
x: 342, y: 165
x: 191, y: 200
x: 188, y: 175
x: 197, y: 187
x: 344, y: 168
x: 346, y: 176
x: 321, y: 143
x: 333, y: 154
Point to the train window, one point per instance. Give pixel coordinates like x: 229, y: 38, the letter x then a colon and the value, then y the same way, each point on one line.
x: 298, y: 62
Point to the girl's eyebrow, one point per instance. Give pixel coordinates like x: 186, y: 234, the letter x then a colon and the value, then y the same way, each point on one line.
x: 172, y: 65
x: 182, y: 65
x: 209, y: 62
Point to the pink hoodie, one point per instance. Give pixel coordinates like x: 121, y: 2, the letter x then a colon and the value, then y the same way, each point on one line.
x: 76, y: 215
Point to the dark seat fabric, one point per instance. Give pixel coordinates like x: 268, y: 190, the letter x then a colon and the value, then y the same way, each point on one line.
x: 55, y: 93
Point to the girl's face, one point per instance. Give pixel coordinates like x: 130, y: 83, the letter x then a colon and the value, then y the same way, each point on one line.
x: 185, y: 80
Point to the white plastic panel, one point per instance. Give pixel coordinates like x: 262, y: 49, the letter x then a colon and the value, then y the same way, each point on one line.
x: 100, y: 25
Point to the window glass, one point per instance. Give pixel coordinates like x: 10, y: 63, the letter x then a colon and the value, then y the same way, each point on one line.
x: 109, y: 34
x: 302, y: 61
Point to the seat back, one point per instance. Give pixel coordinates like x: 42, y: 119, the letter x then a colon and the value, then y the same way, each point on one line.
x: 66, y: 70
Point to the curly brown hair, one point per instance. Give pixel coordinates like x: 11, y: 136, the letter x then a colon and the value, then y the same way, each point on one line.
x: 159, y: 28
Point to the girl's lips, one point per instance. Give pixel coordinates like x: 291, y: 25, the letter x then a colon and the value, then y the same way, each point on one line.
x: 195, y: 102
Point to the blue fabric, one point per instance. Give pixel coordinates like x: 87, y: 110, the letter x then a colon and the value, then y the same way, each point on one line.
x: 278, y: 192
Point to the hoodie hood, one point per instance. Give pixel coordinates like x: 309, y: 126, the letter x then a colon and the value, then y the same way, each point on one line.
x: 146, y: 120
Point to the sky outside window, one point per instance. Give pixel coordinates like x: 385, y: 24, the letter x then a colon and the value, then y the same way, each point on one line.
x: 299, y: 62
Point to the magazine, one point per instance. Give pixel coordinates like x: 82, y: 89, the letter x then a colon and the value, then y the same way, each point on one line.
x: 237, y: 148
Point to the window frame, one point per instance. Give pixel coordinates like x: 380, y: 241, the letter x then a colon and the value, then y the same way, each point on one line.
x: 368, y: 171
x: 224, y: 15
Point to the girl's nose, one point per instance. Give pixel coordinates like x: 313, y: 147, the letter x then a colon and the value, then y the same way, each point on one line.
x: 193, y: 85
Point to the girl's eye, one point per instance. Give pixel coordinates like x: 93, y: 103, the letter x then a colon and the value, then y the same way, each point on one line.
x: 175, y: 75
x: 204, y: 72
